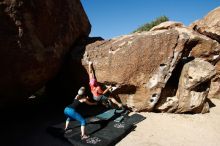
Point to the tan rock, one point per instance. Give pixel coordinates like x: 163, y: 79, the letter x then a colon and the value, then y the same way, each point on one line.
x: 205, y: 108
x: 214, y: 91
x: 167, y: 25
x: 192, y: 92
x: 217, y: 67
x: 35, y: 35
x: 201, y: 46
x: 194, y: 85
x: 141, y: 62
x: 209, y: 25
x: 207, y: 49
x: 169, y: 106
x: 198, y: 46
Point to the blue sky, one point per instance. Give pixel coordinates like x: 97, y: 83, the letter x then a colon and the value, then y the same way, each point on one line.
x: 111, y: 18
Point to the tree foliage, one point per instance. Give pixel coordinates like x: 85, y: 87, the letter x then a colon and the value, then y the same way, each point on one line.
x: 148, y: 26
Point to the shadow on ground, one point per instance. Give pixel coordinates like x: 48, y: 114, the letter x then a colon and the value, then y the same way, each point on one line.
x: 26, y: 124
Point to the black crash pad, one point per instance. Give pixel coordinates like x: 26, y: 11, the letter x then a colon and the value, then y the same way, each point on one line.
x: 107, y: 115
x: 104, y: 132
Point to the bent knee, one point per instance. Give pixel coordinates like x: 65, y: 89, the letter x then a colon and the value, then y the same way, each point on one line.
x: 110, y: 97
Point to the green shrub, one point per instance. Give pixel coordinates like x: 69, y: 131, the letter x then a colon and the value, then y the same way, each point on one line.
x: 148, y: 26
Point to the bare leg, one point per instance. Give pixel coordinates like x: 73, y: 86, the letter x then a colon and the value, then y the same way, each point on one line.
x: 115, y: 102
x: 83, y: 135
x: 82, y: 130
x: 67, y: 123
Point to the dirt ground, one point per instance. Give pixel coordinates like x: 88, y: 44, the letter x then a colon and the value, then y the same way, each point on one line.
x: 163, y: 129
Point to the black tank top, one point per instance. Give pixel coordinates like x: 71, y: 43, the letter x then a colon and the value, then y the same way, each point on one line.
x: 75, y: 104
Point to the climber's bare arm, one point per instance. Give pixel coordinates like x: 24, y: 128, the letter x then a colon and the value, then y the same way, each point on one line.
x: 91, y: 73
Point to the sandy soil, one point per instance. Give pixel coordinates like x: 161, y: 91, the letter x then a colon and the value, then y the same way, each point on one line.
x: 162, y: 129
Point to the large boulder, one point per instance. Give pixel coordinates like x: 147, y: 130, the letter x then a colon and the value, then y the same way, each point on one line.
x: 208, y: 49
x: 198, y: 46
x: 193, y: 88
x: 142, y: 64
x: 209, y: 25
x: 34, y: 37
x: 204, y: 47
x: 139, y: 63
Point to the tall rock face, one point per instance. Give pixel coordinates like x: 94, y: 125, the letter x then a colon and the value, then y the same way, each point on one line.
x: 209, y: 25
x: 34, y: 37
x: 140, y: 64
x: 148, y: 66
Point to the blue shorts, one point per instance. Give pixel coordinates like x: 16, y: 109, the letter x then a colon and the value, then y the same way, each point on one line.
x: 72, y: 114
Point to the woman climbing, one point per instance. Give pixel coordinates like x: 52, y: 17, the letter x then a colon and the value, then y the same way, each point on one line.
x: 97, y: 92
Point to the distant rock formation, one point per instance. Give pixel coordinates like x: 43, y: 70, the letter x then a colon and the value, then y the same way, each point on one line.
x: 34, y: 37
x: 167, y: 25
